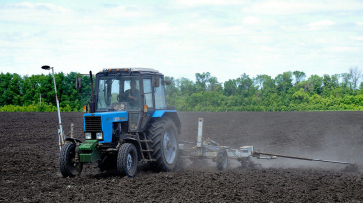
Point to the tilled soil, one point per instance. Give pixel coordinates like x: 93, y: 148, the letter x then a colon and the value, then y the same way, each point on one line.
x: 30, y: 169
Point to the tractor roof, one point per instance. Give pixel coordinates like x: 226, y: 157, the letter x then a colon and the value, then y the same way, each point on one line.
x: 141, y: 70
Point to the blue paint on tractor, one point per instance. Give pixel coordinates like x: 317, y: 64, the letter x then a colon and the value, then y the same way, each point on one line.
x: 107, y: 118
x: 173, y: 114
x: 160, y: 113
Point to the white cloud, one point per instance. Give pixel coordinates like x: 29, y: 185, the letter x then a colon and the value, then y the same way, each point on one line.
x: 123, y: 11
x: 321, y: 23
x: 341, y: 49
x: 300, y: 7
x: 258, y: 39
x: 269, y: 49
x: 36, y: 13
x: 210, y: 2
x: 38, y: 6
x: 324, y: 24
x: 357, y: 38
x: 250, y: 20
x: 183, y: 39
x: 279, y: 7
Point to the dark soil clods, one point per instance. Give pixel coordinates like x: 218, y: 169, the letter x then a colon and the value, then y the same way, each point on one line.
x: 29, y: 168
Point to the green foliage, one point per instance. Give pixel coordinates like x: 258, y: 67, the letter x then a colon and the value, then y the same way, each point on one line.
x: 265, y: 93
x: 43, y: 107
x: 288, y: 91
x: 26, y: 93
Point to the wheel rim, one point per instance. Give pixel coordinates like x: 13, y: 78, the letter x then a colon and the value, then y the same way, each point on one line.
x: 169, y: 146
x: 129, y: 161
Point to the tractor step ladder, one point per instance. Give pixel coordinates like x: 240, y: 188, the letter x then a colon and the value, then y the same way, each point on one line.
x: 147, y: 151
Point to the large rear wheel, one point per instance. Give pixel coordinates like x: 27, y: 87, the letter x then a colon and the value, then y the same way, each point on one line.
x: 164, y: 136
x: 127, y: 160
x: 68, y: 165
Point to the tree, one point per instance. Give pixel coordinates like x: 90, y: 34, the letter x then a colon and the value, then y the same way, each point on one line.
x: 186, y: 86
x: 355, y: 74
x: 244, y: 82
x: 230, y: 87
x: 202, y: 80
x: 299, y: 76
x: 346, y: 80
x: 171, y: 89
x: 214, y: 85
x: 284, y: 81
x: 259, y: 81
x: 327, y: 81
x: 335, y: 80
x: 317, y: 82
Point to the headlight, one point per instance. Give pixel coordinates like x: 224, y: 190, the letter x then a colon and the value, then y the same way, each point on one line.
x: 87, y: 136
x: 99, y: 136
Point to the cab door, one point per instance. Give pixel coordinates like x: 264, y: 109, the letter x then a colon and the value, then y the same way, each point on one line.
x: 149, y: 106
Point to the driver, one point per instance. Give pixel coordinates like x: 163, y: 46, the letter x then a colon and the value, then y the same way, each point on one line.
x: 132, y: 95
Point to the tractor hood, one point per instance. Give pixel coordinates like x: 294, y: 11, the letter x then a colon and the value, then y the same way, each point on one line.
x: 102, y: 122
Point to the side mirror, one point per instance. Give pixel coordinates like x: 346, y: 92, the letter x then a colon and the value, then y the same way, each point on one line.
x: 78, y: 83
x: 155, y: 81
x: 168, y: 81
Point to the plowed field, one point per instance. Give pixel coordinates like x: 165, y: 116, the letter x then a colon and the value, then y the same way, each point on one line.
x: 29, y: 161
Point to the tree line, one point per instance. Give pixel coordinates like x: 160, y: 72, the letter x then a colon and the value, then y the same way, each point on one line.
x: 36, y: 92
x: 289, y: 91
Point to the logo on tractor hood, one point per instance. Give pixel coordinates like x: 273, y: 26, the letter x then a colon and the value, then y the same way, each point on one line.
x: 119, y: 118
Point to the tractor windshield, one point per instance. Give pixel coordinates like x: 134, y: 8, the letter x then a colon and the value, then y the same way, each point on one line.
x: 118, y: 93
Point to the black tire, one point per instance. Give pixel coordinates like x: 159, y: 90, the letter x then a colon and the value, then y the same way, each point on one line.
x: 222, y: 159
x: 127, y: 160
x: 163, y: 131
x: 67, y: 164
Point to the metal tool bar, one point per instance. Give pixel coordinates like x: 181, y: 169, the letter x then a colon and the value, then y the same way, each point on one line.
x: 257, y: 154
x: 186, y: 142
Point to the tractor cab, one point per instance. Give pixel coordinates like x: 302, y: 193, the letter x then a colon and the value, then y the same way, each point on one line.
x: 138, y: 91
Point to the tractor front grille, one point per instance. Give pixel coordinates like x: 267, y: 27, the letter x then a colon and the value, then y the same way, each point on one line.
x: 93, y: 123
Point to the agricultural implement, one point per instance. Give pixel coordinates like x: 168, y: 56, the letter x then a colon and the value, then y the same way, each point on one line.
x: 209, y: 149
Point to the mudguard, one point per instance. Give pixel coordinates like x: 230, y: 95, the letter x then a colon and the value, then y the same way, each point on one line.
x: 74, y: 140
x: 173, y: 114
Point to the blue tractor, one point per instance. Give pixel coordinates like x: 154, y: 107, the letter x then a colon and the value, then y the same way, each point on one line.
x: 128, y: 124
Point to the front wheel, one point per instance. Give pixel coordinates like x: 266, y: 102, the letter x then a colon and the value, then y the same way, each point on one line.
x: 68, y: 165
x: 164, y: 136
x: 127, y: 160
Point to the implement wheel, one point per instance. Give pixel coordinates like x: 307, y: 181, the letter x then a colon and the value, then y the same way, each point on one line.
x: 67, y: 164
x: 127, y: 160
x: 222, y: 159
x: 164, y: 136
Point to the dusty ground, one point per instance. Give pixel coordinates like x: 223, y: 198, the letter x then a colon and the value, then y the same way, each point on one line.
x: 29, y: 161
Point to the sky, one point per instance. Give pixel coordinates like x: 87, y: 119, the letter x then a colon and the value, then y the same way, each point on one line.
x: 182, y: 37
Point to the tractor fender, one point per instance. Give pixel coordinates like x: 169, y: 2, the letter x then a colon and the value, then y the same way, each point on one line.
x: 73, y: 140
x: 137, y: 145
x: 172, y: 114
